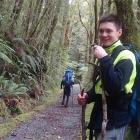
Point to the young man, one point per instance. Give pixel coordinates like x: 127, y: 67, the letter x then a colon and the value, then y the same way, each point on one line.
x: 117, y: 75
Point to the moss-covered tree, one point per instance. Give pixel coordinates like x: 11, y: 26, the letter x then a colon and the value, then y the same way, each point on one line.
x: 129, y: 19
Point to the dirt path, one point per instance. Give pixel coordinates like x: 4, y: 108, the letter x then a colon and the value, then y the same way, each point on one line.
x: 54, y: 123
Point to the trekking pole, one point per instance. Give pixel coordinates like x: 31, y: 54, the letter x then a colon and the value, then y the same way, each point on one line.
x: 105, y: 120
x: 83, y: 116
x: 72, y: 94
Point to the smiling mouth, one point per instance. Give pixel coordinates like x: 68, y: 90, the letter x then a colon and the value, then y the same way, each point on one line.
x: 104, y: 40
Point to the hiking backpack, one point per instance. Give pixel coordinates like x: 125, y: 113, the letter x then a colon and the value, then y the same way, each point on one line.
x: 69, y: 76
x: 135, y: 99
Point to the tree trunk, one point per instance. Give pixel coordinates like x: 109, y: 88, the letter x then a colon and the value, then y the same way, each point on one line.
x: 130, y: 28
x: 1, y: 5
x: 53, y: 21
x: 102, y: 8
x: 96, y: 22
x: 15, y: 14
x: 65, y: 25
x: 27, y: 22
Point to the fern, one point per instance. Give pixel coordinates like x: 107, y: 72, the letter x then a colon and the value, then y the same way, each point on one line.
x: 5, y: 58
x: 8, y: 87
x: 32, y: 62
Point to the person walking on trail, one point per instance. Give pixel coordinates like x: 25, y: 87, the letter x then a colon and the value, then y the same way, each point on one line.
x: 66, y: 91
x: 117, y: 72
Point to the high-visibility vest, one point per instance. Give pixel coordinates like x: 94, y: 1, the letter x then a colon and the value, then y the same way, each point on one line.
x: 124, y: 54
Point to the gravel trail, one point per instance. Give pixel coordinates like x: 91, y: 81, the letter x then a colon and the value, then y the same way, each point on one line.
x: 54, y: 123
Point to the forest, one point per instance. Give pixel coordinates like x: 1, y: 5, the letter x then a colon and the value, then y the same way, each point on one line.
x: 39, y: 39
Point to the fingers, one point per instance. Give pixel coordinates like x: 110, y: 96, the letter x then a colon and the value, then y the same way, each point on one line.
x: 98, y: 51
x: 81, y: 99
x: 94, y: 46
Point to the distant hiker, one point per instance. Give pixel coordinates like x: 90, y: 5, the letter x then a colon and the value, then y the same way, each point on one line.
x: 112, y: 91
x: 67, y: 83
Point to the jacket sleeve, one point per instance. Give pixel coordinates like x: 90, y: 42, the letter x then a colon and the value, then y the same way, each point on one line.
x: 114, y: 78
x: 91, y: 95
x: 62, y: 84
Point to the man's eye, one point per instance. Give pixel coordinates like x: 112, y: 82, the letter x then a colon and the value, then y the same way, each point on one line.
x: 108, y: 31
x: 105, y: 31
x: 101, y: 31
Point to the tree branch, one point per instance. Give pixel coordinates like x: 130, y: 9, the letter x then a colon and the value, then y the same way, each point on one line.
x: 83, y: 23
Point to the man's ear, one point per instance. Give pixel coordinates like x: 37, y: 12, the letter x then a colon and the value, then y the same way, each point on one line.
x: 120, y: 32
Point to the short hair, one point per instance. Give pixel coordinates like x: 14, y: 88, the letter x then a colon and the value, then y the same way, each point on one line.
x: 111, y: 18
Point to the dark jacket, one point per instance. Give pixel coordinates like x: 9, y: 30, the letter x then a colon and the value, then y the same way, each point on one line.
x: 113, y: 78
x: 67, y: 87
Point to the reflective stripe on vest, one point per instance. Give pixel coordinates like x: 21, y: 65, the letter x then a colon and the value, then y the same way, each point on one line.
x: 125, y: 54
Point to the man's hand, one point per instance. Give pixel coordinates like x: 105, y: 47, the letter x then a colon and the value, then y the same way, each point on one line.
x: 82, y: 99
x: 99, y: 52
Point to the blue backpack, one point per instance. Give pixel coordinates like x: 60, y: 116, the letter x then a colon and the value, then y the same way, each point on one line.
x: 135, y: 99
x: 69, y: 76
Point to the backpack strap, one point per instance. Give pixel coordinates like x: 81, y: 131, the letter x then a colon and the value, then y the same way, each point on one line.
x: 116, y: 51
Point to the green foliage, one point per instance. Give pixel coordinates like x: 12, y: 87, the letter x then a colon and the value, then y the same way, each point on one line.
x: 4, y: 47
x: 5, y: 52
x: 15, y: 110
x: 3, y: 109
x: 56, y: 64
x: 8, y: 88
x: 5, y: 58
x: 30, y: 60
x: 129, y: 135
x: 23, y: 69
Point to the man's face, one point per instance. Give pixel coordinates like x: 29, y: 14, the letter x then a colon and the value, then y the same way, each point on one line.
x: 108, y: 33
